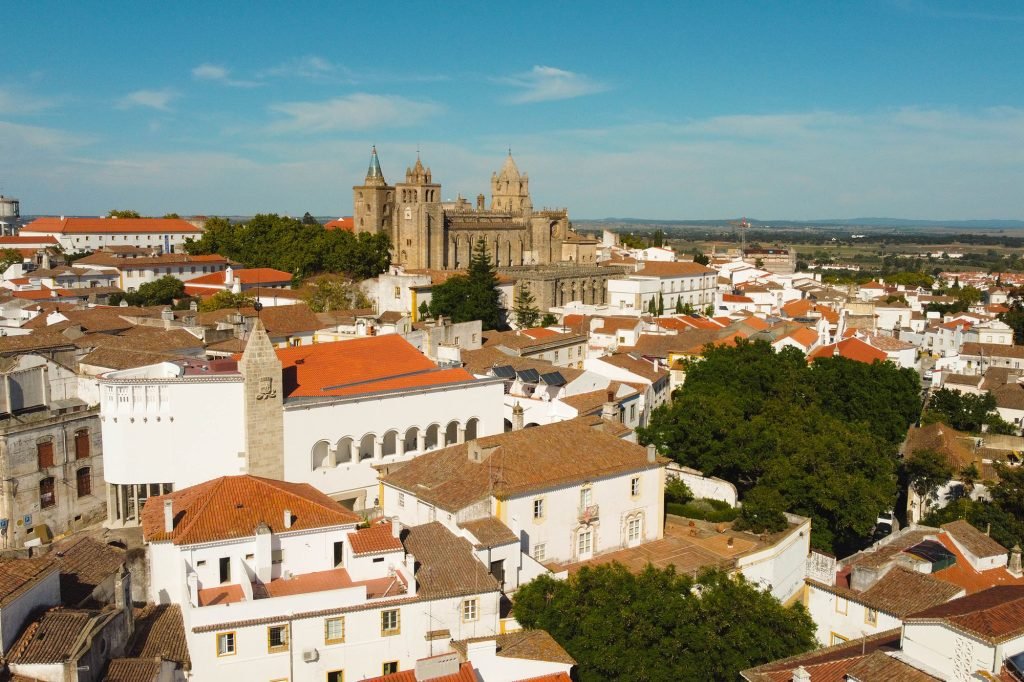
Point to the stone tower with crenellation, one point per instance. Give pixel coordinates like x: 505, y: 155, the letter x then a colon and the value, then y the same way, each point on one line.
x: 264, y: 406
x: 510, y: 190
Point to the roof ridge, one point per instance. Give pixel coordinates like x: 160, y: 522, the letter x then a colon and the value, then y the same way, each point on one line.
x: 205, y: 488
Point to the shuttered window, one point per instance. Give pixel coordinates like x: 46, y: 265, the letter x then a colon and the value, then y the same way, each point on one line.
x: 83, y: 481
x: 47, y: 498
x: 44, y: 454
x: 82, y: 444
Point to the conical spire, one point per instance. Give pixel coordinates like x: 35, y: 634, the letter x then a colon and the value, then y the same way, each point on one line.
x: 374, y: 175
x: 509, y: 171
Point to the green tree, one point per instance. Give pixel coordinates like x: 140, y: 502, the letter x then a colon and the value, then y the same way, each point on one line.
x: 709, y: 310
x: 759, y: 263
x: 307, y: 219
x: 172, y: 216
x: 9, y: 257
x: 163, y: 291
x: 116, y: 213
x: 424, y: 310
x: 548, y: 320
x: 677, y: 491
x: 333, y: 292
x: 962, y: 411
x: 526, y: 312
x: 925, y: 471
x: 700, y: 258
x: 660, y: 626
x: 658, y: 239
x: 661, y: 305
x: 473, y: 296
x: 679, y: 305
x: 652, y: 306
x: 225, y: 299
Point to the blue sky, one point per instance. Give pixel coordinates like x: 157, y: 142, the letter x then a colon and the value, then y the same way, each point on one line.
x: 676, y: 110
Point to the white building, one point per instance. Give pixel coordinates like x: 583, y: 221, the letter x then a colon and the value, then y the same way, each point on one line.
x: 328, y: 414
x: 689, y: 283
x: 132, y: 272
x: 562, y: 507
x: 276, y: 582
x: 88, y: 234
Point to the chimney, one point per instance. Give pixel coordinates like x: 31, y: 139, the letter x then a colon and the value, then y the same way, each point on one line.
x: 801, y: 675
x: 652, y: 454
x: 168, y: 516
x: 1015, y: 567
x: 167, y: 315
x: 287, y: 518
x: 396, y: 527
x: 193, y: 306
x: 229, y: 275
x: 610, y: 409
x: 517, y: 416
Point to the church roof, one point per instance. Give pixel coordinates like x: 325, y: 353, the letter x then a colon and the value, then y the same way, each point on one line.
x: 509, y: 171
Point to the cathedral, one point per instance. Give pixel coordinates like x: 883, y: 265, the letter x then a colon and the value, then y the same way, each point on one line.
x: 429, y: 233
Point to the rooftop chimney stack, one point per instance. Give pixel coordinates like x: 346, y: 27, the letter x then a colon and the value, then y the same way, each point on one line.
x: 652, y: 454
x: 168, y: 516
x: 287, y: 518
x: 801, y: 675
x: 517, y: 417
x: 1015, y: 566
x: 396, y: 527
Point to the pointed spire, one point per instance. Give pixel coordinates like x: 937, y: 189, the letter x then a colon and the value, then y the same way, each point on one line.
x: 374, y: 175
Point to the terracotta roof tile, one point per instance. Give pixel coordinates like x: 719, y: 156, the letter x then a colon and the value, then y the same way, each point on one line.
x: 245, y: 276
x: 841, y: 655
x: 376, y: 539
x: 84, y: 563
x: 17, y: 576
x: 518, y: 462
x: 347, y: 224
x: 133, y: 670
x: 233, y: 506
x: 532, y: 645
x: 109, y: 226
x: 668, y: 269
x: 880, y: 667
x: 465, y: 674
x: 995, y: 615
x: 447, y: 565
x: 53, y: 637
x: 973, y: 540
x: 360, y: 366
x: 160, y: 632
x: 490, y: 532
x: 852, y: 349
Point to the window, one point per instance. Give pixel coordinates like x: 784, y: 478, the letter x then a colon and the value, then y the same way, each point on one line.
x: 398, y: 292
x: 334, y: 630
x: 556, y: 355
x: 585, y: 544
x: 871, y: 616
x: 538, y: 509
x: 634, y: 486
x: 390, y: 624
x: 44, y: 454
x: 456, y: 340
x: 632, y: 412
x: 47, y: 498
x: 224, y: 566
x: 390, y: 668
x: 538, y: 551
x: 339, y: 553
x: 633, y: 530
x: 82, y: 444
x: 295, y: 343
x: 276, y: 556
x: 842, y: 605
x: 336, y: 676
x: 401, y: 499
x: 586, y: 497
x: 469, y: 610
x: 83, y: 481
x: 225, y: 643
x: 838, y: 639
x: 277, y: 638
x: 579, y: 352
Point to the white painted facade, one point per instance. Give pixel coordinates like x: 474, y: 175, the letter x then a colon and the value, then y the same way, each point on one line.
x: 956, y: 655
x: 90, y: 241
x: 779, y: 568
x: 839, y: 619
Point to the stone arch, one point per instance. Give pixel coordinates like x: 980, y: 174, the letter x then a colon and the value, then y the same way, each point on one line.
x: 366, y: 446
x: 390, y: 443
x: 508, y: 426
x: 451, y: 433
x: 321, y: 454
x: 411, y: 439
x: 472, y: 428
x: 344, y: 450
x: 433, y: 437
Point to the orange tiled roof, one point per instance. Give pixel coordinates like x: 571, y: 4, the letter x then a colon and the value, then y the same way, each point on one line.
x: 541, y: 333
x: 804, y: 336
x: 376, y: 539
x: 245, y: 276
x: 673, y: 269
x: 367, y: 365
x: 232, y: 506
x: 347, y: 223
x: 995, y: 615
x: 853, y: 349
x: 110, y: 226
x: 735, y: 298
x: 465, y: 674
x: 10, y: 242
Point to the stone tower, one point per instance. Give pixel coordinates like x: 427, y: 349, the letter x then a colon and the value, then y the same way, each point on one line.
x: 373, y: 201
x: 264, y: 406
x: 419, y: 220
x: 510, y: 191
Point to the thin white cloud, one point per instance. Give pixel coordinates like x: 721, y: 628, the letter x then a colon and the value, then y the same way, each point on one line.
x: 14, y: 102
x: 311, y: 68
x: 151, y: 99
x: 216, y: 73
x: 546, y: 84
x: 358, y: 111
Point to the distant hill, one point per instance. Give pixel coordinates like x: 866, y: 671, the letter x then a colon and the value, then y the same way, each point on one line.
x: 875, y: 223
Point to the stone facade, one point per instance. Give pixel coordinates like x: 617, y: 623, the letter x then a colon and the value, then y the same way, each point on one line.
x: 264, y: 406
x: 559, y: 283
x: 427, y: 233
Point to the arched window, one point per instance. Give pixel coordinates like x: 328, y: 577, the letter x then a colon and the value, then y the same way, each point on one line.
x: 366, y: 446
x: 433, y: 434
x: 411, y: 438
x: 321, y: 453
x: 451, y: 434
x: 390, y: 445
x: 472, y: 427
x: 344, y: 451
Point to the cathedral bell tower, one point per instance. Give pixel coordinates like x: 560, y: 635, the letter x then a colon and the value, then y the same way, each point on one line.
x: 510, y: 191
x: 419, y: 220
x: 264, y: 406
x: 373, y: 202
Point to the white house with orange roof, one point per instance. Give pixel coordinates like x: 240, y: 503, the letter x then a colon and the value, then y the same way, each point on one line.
x: 329, y: 414
x: 133, y: 272
x: 88, y: 234
x: 277, y: 581
x: 238, y: 281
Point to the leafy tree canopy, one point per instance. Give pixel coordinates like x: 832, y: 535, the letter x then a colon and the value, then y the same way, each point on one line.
x: 473, y: 296
x: 965, y: 411
x: 273, y: 241
x: 127, y: 213
x: 926, y: 471
x: 163, y: 291
x: 225, y: 299
x: 9, y: 257
x: 526, y: 311
x: 812, y: 440
x: 333, y: 292
x: 661, y: 626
